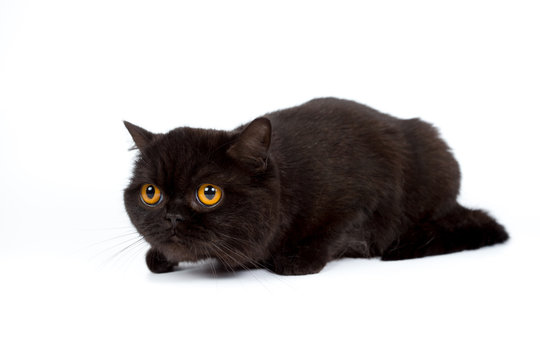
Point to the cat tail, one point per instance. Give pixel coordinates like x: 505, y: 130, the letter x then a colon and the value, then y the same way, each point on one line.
x: 460, y: 229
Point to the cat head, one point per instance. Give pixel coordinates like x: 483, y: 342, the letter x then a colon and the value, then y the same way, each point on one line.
x: 198, y: 194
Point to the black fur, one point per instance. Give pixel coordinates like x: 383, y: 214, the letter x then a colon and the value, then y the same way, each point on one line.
x: 303, y: 186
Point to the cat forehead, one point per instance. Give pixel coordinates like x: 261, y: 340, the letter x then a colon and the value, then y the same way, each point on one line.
x: 188, y: 143
x: 183, y: 152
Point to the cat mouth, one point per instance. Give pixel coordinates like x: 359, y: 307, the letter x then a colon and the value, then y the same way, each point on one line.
x: 175, y: 235
x: 178, y: 249
x: 181, y: 240
x: 176, y: 239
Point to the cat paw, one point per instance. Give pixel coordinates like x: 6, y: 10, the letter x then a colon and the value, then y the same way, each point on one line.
x: 392, y: 255
x: 403, y: 252
x: 288, y: 267
x: 157, y: 262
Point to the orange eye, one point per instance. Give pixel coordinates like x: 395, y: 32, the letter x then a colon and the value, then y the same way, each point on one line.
x: 150, y: 194
x: 209, y: 194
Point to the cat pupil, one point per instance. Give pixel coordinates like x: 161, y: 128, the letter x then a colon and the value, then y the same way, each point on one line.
x: 150, y: 192
x: 209, y: 192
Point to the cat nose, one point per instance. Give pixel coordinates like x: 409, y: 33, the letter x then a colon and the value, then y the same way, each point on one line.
x: 174, y: 218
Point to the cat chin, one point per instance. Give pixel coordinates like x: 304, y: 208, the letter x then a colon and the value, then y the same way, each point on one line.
x: 176, y: 251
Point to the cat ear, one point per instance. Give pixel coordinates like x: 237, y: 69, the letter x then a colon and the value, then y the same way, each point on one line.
x: 140, y: 136
x: 251, y: 146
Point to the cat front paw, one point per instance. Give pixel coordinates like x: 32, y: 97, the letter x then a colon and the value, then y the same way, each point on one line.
x: 157, y: 262
x: 296, y: 267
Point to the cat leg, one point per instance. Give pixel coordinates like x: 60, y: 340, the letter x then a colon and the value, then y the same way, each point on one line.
x: 308, y: 256
x: 157, y: 262
x: 460, y: 229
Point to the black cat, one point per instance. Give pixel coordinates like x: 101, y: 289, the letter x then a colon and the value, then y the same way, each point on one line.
x: 300, y: 187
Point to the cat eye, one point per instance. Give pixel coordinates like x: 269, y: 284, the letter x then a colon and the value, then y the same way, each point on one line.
x: 150, y: 194
x: 209, y: 195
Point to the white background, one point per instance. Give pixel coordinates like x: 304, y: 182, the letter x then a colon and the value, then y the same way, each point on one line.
x: 71, y: 71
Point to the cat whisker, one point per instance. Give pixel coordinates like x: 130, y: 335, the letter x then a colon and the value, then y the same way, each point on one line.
x: 244, y: 267
x: 212, y: 267
x: 256, y: 264
x: 136, y: 241
x: 139, y: 248
x: 219, y: 255
x: 114, y: 246
x: 100, y: 242
x: 245, y: 257
x: 125, y: 227
x: 123, y: 250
